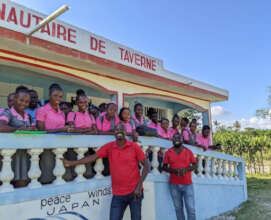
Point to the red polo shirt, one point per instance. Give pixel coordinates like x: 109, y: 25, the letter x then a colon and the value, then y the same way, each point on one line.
x: 177, y: 161
x: 123, y: 163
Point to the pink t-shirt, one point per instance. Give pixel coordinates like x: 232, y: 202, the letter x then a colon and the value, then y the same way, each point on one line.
x: 186, y: 134
x: 15, y: 114
x: 106, y: 125
x: 155, y: 126
x: 2, y: 110
x: 206, y: 142
x: 81, y: 120
x: 173, y: 131
x: 52, y: 119
x: 161, y: 132
x: 129, y: 127
x: 102, y: 114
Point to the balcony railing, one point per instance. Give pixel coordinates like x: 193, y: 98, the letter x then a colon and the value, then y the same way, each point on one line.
x: 211, y: 165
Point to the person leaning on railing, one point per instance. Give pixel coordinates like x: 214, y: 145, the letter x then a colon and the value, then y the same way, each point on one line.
x: 14, y: 119
x: 127, y: 183
x: 204, y: 140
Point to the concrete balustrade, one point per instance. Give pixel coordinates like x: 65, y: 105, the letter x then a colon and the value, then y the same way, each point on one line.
x: 218, y: 175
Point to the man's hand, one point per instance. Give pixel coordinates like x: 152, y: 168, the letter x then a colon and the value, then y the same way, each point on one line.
x: 137, y: 192
x: 66, y: 163
x: 181, y: 172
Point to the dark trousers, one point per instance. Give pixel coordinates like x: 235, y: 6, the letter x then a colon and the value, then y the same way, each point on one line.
x: 120, y: 203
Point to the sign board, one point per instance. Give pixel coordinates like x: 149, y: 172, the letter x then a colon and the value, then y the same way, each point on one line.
x: 91, y: 205
x: 21, y: 19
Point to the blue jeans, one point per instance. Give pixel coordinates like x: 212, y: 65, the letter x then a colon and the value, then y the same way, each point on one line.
x: 183, y: 194
x: 120, y: 203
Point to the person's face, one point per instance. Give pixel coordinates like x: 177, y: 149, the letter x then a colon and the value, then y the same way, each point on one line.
x: 103, y: 108
x: 111, y: 110
x: 21, y: 101
x: 34, y: 99
x: 65, y: 108
x: 183, y: 123
x: 177, y: 140
x: 119, y: 132
x: 139, y: 111
x: 164, y: 124
x: 206, y: 133
x: 56, y: 97
x: 175, y: 122
x: 11, y: 100
x: 154, y: 117
x: 125, y: 115
x: 193, y: 127
x: 82, y: 104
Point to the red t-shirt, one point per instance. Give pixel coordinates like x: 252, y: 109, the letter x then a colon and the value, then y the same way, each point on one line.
x: 123, y: 163
x: 177, y: 161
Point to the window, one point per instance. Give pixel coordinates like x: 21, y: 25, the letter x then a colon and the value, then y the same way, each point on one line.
x: 161, y: 112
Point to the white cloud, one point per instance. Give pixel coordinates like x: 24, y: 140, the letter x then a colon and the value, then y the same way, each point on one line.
x: 253, y: 122
x: 219, y: 111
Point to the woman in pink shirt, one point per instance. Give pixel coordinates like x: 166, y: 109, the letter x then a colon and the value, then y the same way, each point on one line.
x: 49, y: 117
x: 175, y: 126
x: 163, y: 130
x: 204, y: 141
x: 107, y: 122
x: 184, y: 124
x: 153, y: 116
x: 13, y: 119
x: 138, y: 118
x: 190, y: 136
x: 125, y: 120
x: 81, y: 121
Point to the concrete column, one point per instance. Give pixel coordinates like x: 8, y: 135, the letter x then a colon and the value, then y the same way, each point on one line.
x: 118, y: 99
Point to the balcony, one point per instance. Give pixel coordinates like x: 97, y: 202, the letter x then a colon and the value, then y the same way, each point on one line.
x: 219, y: 185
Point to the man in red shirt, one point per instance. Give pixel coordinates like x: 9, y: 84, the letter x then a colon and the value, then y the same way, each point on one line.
x: 180, y: 162
x: 127, y: 183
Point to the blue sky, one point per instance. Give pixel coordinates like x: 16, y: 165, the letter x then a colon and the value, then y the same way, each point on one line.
x: 224, y: 43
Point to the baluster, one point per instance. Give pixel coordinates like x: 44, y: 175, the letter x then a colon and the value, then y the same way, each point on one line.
x: 219, y: 169
x: 59, y: 169
x: 235, y: 171
x: 230, y: 170
x: 34, y: 172
x: 207, y: 167
x: 193, y: 173
x: 80, y: 169
x: 145, y: 148
x: 224, y: 169
x: 7, y: 175
x: 99, y: 167
x: 164, y: 150
x: 155, y: 162
x: 200, y: 167
x: 213, y: 167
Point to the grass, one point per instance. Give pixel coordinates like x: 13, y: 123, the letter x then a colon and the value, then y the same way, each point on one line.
x: 258, y: 206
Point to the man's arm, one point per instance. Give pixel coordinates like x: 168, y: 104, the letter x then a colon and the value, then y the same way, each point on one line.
x: 146, y: 169
x: 88, y: 159
x: 169, y: 170
x: 191, y: 168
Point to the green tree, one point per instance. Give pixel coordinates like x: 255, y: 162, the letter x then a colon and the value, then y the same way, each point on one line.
x: 190, y: 114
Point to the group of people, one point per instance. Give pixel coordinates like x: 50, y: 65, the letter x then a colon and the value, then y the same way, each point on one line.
x: 26, y: 113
